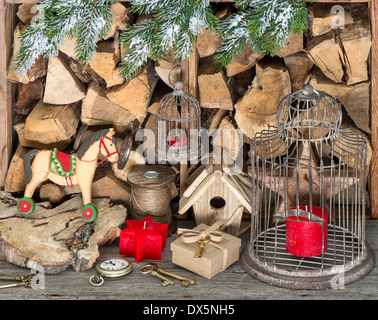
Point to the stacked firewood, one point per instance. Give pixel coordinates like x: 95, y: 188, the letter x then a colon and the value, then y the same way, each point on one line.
x: 57, y: 97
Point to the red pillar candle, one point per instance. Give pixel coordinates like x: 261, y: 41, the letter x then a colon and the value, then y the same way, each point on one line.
x: 306, y: 234
x: 143, y: 239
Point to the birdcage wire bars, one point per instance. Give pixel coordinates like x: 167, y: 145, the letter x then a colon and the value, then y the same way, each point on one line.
x: 179, y: 122
x: 308, y: 175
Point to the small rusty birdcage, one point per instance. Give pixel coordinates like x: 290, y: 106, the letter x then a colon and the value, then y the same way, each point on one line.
x: 179, y: 122
x: 308, y: 202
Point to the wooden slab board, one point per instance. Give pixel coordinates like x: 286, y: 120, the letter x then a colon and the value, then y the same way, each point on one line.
x: 57, y: 238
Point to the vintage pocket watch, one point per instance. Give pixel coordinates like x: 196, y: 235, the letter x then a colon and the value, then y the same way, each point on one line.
x: 111, y: 268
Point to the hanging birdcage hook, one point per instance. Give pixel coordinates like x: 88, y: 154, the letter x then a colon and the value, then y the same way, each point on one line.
x: 178, y: 86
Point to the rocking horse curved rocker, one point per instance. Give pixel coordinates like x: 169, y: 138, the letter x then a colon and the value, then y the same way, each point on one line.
x: 68, y: 169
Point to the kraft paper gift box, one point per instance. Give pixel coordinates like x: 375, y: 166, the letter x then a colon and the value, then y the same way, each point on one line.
x: 216, y: 256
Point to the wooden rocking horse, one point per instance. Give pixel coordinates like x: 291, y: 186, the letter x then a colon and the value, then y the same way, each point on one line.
x: 68, y: 169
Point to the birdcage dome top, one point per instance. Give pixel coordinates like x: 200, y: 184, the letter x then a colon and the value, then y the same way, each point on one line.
x: 309, y: 114
x: 178, y: 105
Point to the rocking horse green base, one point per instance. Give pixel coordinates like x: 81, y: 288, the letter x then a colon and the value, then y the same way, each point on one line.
x: 26, y: 205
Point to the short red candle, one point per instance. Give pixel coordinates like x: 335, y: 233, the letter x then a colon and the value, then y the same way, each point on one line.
x: 178, y: 141
x: 143, y: 239
x: 305, y: 238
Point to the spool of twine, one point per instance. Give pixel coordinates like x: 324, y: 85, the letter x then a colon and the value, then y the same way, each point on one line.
x: 151, y: 192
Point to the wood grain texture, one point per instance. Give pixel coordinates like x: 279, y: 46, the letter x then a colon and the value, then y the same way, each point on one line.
x: 142, y: 289
x: 374, y: 109
x: 7, y: 25
x: 56, y: 238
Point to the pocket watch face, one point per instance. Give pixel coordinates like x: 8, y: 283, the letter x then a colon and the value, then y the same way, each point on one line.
x: 114, y: 264
x: 114, y: 267
x: 111, y: 268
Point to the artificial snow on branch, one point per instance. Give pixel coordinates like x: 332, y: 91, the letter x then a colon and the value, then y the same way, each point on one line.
x: 174, y: 24
x: 263, y: 25
x: 86, y: 20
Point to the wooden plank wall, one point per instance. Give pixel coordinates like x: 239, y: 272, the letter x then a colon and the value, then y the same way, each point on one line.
x: 7, y: 19
x: 374, y: 110
x: 7, y: 89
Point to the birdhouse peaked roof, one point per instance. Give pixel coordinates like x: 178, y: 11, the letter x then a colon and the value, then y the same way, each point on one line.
x: 238, y: 185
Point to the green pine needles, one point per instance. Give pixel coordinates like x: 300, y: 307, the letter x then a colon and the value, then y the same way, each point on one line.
x: 174, y: 24
x: 86, y: 20
x: 263, y: 25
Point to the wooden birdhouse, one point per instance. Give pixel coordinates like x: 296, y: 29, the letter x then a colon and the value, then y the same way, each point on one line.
x: 215, y: 195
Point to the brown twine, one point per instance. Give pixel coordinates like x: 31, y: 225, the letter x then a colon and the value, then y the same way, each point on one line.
x: 152, y: 202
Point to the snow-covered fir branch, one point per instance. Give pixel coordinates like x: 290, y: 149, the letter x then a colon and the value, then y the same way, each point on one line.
x: 263, y: 25
x: 177, y: 26
x: 87, y: 20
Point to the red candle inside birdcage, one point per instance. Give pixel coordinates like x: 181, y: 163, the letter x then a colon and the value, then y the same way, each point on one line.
x: 178, y: 141
x: 306, y: 232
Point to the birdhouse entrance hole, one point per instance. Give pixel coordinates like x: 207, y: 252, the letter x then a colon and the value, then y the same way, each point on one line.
x: 217, y: 203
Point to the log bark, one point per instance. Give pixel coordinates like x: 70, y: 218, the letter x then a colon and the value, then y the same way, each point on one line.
x: 20, y: 128
x: 164, y: 67
x: 355, y: 99
x: 322, y: 19
x: 257, y: 109
x: 30, y: 94
x: 325, y: 52
x: 15, y: 173
x: 342, y: 53
x: 56, y: 239
x: 246, y: 60
x: 26, y: 12
x: 39, y: 68
x: 105, y: 62
x: 136, y: 94
x: 299, y: 66
x: 208, y: 43
x: 294, y: 44
x: 62, y: 86
x: 97, y: 109
x: 212, y: 88
x: 52, y: 193
x: 356, y: 44
x: 49, y: 124
x: 122, y: 19
x: 106, y: 185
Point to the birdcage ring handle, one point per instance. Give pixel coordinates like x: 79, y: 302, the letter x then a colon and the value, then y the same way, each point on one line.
x: 176, y: 68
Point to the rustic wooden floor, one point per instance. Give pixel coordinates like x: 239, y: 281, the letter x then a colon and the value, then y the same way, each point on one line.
x: 233, y: 284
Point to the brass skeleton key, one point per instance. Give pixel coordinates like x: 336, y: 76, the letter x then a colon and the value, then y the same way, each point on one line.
x: 165, y: 281
x: 183, y: 281
x: 201, y: 247
x: 152, y: 269
x: 26, y: 281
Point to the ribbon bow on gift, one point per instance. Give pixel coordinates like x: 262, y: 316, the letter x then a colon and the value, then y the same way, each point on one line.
x: 211, y: 235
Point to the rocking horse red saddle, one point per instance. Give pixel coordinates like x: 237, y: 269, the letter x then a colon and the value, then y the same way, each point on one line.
x: 62, y: 163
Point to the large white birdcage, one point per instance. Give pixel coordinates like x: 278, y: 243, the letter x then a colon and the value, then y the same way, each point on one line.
x: 308, y: 203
